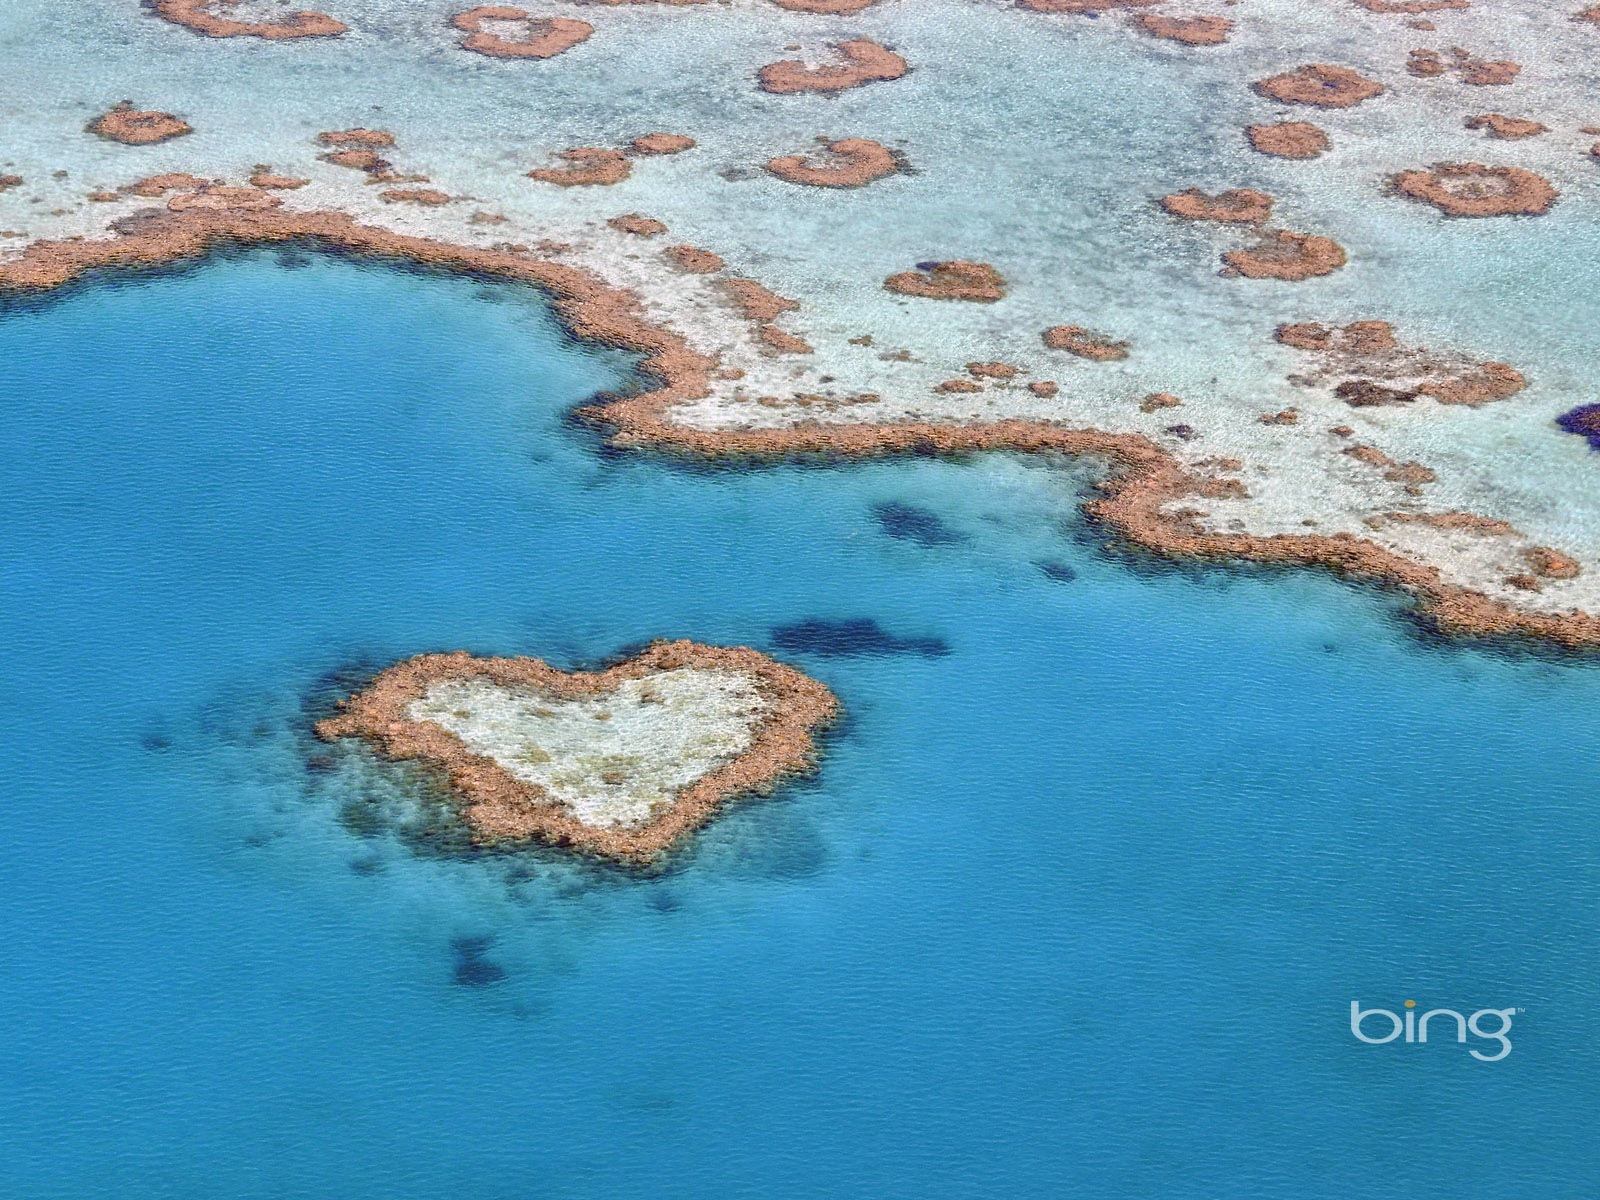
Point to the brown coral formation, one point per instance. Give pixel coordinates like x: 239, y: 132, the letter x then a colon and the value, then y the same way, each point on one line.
x: 1135, y: 502
x: 1374, y: 369
x: 852, y: 162
x: 1550, y: 563
x: 1284, y: 255
x: 588, y: 166
x: 220, y: 198
x: 1191, y: 31
x: 10, y: 181
x: 1086, y: 7
x: 342, y: 139
x: 138, y: 127
x: 498, y: 806
x: 1475, y: 190
x: 1320, y: 85
x: 428, y: 197
x: 831, y: 7
x: 865, y: 61
x: 639, y: 226
x: 1411, y: 7
x: 954, y: 280
x: 541, y: 37
x: 1507, y: 128
x: 1478, y: 72
x: 201, y: 17
x: 1075, y: 339
x: 662, y: 143
x: 757, y: 301
x: 1239, y: 206
x: 276, y: 182
x: 694, y: 260
x: 160, y: 185
x: 1287, y: 139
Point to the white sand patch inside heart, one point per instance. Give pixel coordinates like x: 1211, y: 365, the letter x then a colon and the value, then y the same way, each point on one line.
x: 614, y: 759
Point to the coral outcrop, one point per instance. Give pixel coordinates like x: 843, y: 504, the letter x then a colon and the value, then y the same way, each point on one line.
x: 1320, y: 85
x: 1191, y: 31
x: 536, y: 37
x: 1239, y: 206
x: 1367, y: 366
x: 587, y: 166
x: 1476, y: 190
x: 207, y: 17
x: 849, y: 162
x: 1284, y: 255
x: 1507, y: 128
x: 865, y: 61
x: 954, y: 280
x: 1287, y: 139
x: 1075, y: 339
x: 138, y: 127
x: 712, y: 723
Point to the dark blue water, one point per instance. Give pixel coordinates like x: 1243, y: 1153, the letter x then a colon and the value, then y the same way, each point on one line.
x: 1076, y: 907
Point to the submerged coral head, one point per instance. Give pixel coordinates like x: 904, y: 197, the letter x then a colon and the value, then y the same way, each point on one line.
x: 1584, y: 421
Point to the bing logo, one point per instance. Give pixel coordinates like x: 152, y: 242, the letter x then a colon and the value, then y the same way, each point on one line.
x: 1390, y: 1026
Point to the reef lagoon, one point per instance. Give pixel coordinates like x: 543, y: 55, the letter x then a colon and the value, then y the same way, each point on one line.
x: 1076, y: 906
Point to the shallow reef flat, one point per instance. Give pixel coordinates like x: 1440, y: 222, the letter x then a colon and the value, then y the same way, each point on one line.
x: 1054, y: 227
x: 621, y: 762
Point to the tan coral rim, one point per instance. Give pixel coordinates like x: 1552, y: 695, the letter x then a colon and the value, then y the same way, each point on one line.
x: 1144, y: 478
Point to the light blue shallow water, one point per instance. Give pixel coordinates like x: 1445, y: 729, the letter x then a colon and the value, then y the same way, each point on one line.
x: 1075, y: 909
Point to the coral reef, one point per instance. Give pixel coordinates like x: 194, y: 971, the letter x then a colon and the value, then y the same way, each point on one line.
x: 1411, y: 6
x: 590, y: 166
x: 371, y: 139
x: 201, y: 17
x: 1507, y: 128
x: 492, y: 764
x: 954, y: 280
x: 1583, y: 421
x: 1087, y: 7
x: 1373, y: 368
x: 1475, y: 71
x: 542, y: 37
x: 1284, y: 255
x: 854, y: 163
x: 662, y: 143
x: 269, y: 179
x: 138, y: 127
x: 1476, y: 190
x: 1191, y: 31
x: 636, y: 224
x: 160, y: 185
x: 428, y: 197
x: 865, y: 61
x: 694, y: 260
x: 1239, y: 206
x: 1319, y: 85
x: 221, y: 198
x: 1074, y: 339
x: 1136, y: 500
x: 1287, y: 139
x: 831, y: 7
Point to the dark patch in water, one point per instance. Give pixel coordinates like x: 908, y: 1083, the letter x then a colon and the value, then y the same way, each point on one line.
x: 320, y: 763
x: 366, y: 866
x: 155, y: 743
x: 472, y: 966
x: 1058, y: 571
x: 1583, y: 421
x: 917, y: 525
x: 854, y: 636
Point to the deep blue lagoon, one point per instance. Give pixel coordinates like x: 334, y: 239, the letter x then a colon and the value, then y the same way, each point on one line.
x: 1076, y: 906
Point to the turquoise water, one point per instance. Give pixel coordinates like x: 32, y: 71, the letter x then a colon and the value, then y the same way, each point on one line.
x: 1076, y: 906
